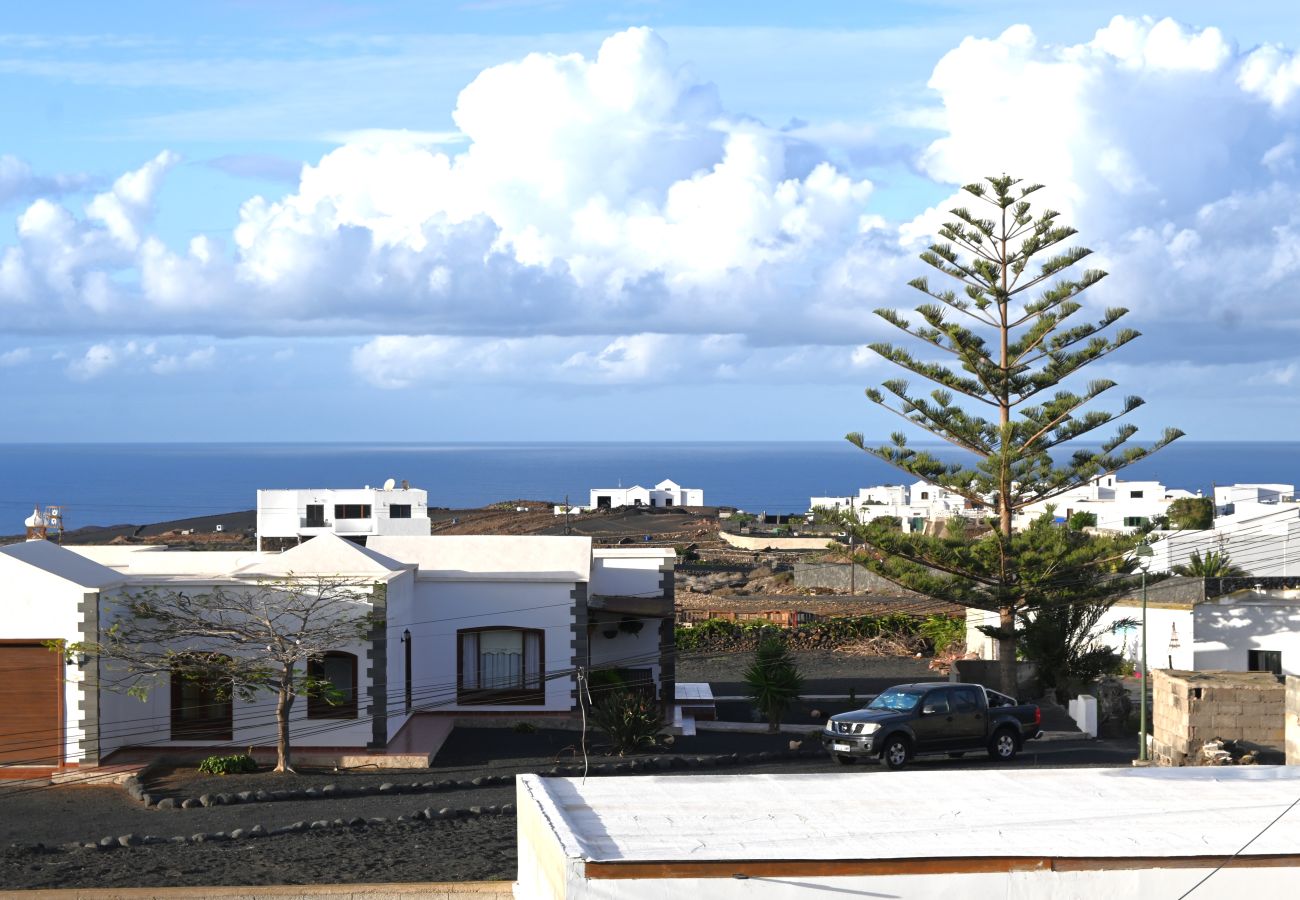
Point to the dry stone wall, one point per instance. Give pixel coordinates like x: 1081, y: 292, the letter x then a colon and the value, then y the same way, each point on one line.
x: 1190, y: 708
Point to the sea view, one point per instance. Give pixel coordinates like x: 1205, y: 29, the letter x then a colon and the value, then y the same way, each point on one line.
x: 105, y: 484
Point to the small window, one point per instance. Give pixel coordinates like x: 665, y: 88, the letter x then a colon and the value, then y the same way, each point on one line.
x: 1264, y: 661
x: 1134, y: 521
x: 925, y: 495
x: 339, y: 671
x: 936, y: 703
x: 964, y: 700
x: 315, y: 515
x: 352, y: 511
x: 668, y: 501
x: 399, y: 511
x: 1135, y: 495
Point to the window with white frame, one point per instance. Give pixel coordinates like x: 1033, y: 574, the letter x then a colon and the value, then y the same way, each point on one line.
x: 501, y: 665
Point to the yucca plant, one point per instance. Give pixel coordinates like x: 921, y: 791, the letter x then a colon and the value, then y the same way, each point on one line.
x: 773, y: 680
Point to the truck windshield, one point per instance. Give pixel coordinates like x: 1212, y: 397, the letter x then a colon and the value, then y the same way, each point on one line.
x: 895, y: 698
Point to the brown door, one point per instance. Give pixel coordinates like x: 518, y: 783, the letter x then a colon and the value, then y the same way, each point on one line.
x: 31, y: 725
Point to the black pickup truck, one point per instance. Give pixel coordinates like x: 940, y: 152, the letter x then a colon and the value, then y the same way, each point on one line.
x: 936, y: 717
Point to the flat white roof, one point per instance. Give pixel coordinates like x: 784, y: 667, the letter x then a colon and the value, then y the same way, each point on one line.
x: 491, y: 557
x: 62, y: 563
x: 1114, y: 813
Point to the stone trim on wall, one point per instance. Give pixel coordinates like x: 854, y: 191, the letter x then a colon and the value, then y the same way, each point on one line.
x: 88, y: 688
x: 580, y: 651
x: 668, y: 637
x: 377, y: 668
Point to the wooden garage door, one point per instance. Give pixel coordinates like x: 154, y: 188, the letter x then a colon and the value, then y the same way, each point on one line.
x: 31, y: 711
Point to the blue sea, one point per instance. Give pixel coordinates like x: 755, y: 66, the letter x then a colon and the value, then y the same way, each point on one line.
x: 109, y: 484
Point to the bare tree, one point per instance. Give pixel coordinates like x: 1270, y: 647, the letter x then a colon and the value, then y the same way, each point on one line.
x: 243, y: 639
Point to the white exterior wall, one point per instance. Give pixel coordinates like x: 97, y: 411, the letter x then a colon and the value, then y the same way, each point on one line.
x: 39, y: 606
x: 283, y: 513
x: 1265, y: 541
x: 126, y: 720
x: 1127, y: 641
x: 1228, y: 628
x: 441, y: 607
x: 1230, y: 494
x: 627, y: 573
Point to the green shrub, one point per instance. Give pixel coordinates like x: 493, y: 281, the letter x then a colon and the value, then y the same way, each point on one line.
x: 943, y: 631
x: 773, y: 680
x: 630, y: 719
x: 523, y: 728
x: 228, y: 765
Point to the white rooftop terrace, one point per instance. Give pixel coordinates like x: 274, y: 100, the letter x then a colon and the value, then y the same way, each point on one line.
x: 1087, y: 832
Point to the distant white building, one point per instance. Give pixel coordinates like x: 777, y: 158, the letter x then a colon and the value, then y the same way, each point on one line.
x: 665, y: 493
x: 912, y: 504
x: 1118, y: 505
x: 1262, y: 539
x: 1227, y: 497
x: 348, y: 512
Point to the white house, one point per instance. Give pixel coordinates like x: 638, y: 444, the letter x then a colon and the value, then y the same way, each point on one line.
x: 1228, y: 496
x: 358, y: 513
x: 1119, y: 505
x: 1243, y: 631
x: 1261, y: 538
x: 665, y: 493
x: 912, y: 504
x: 469, y: 626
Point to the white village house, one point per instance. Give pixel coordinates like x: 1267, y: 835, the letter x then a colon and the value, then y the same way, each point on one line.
x: 482, y: 627
x: 913, y: 505
x: 285, y: 517
x: 1247, y: 629
x: 665, y: 493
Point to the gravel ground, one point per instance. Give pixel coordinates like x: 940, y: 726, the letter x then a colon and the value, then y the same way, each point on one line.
x: 480, y: 848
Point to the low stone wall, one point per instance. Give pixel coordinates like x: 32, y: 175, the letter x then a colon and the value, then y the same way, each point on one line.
x: 986, y: 672
x: 773, y: 542
x: 837, y: 576
x: 1190, y: 708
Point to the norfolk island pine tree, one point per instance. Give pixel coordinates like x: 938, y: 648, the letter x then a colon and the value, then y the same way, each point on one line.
x: 1018, y: 423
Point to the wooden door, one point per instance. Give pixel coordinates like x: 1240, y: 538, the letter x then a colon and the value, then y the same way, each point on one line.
x: 31, y: 720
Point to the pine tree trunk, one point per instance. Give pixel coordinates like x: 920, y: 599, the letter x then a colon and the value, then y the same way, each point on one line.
x: 1006, y: 611
x: 283, y: 703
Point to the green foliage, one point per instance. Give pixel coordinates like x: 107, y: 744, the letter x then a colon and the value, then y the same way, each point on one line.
x: 741, y: 519
x: 773, y: 681
x: 715, y: 632
x: 943, y: 632
x: 228, y: 765
x: 1214, y: 564
x: 1081, y: 520
x: 1191, y: 513
x: 523, y: 728
x: 1062, y: 639
x: 1007, y: 338
x: 630, y: 719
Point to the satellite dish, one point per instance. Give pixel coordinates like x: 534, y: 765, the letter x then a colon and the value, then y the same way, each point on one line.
x: 390, y: 484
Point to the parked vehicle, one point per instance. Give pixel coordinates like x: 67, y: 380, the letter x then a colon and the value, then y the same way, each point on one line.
x: 928, y: 718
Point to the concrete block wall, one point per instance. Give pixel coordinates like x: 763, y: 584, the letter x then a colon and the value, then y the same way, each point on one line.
x: 1190, y: 708
x: 1291, y: 730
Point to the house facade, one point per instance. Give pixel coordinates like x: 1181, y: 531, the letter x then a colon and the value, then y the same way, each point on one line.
x: 357, y: 513
x: 464, y: 627
x: 665, y: 493
x: 1250, y: 630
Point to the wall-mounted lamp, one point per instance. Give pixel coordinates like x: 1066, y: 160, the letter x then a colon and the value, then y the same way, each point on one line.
x: 406, y: 636
x: 78, y: 659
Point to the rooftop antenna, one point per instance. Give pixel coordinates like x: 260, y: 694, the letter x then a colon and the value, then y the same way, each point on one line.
x: 390, y: 484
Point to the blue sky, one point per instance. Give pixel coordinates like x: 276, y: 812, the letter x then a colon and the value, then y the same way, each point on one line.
x: 515, y: 220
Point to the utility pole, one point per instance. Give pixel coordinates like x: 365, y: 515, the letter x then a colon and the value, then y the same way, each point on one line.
x: 1144, y: 555
x: 852, y: 569
x: 566, y: 514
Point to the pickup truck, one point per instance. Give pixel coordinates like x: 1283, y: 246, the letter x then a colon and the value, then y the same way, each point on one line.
x: 937, y: 717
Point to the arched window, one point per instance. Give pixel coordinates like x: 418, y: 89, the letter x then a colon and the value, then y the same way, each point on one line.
x: 501, y: 665
x: 339, y: 671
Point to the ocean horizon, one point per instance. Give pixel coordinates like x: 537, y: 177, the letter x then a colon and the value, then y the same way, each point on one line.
x: 140, y: 483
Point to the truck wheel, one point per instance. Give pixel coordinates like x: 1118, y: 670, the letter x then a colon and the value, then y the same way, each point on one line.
x: 844, y: 760
x: 897, y: 751
x: 1004, y: 745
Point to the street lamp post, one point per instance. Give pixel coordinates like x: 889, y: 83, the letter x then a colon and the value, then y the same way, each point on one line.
x: 1143, y: 554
